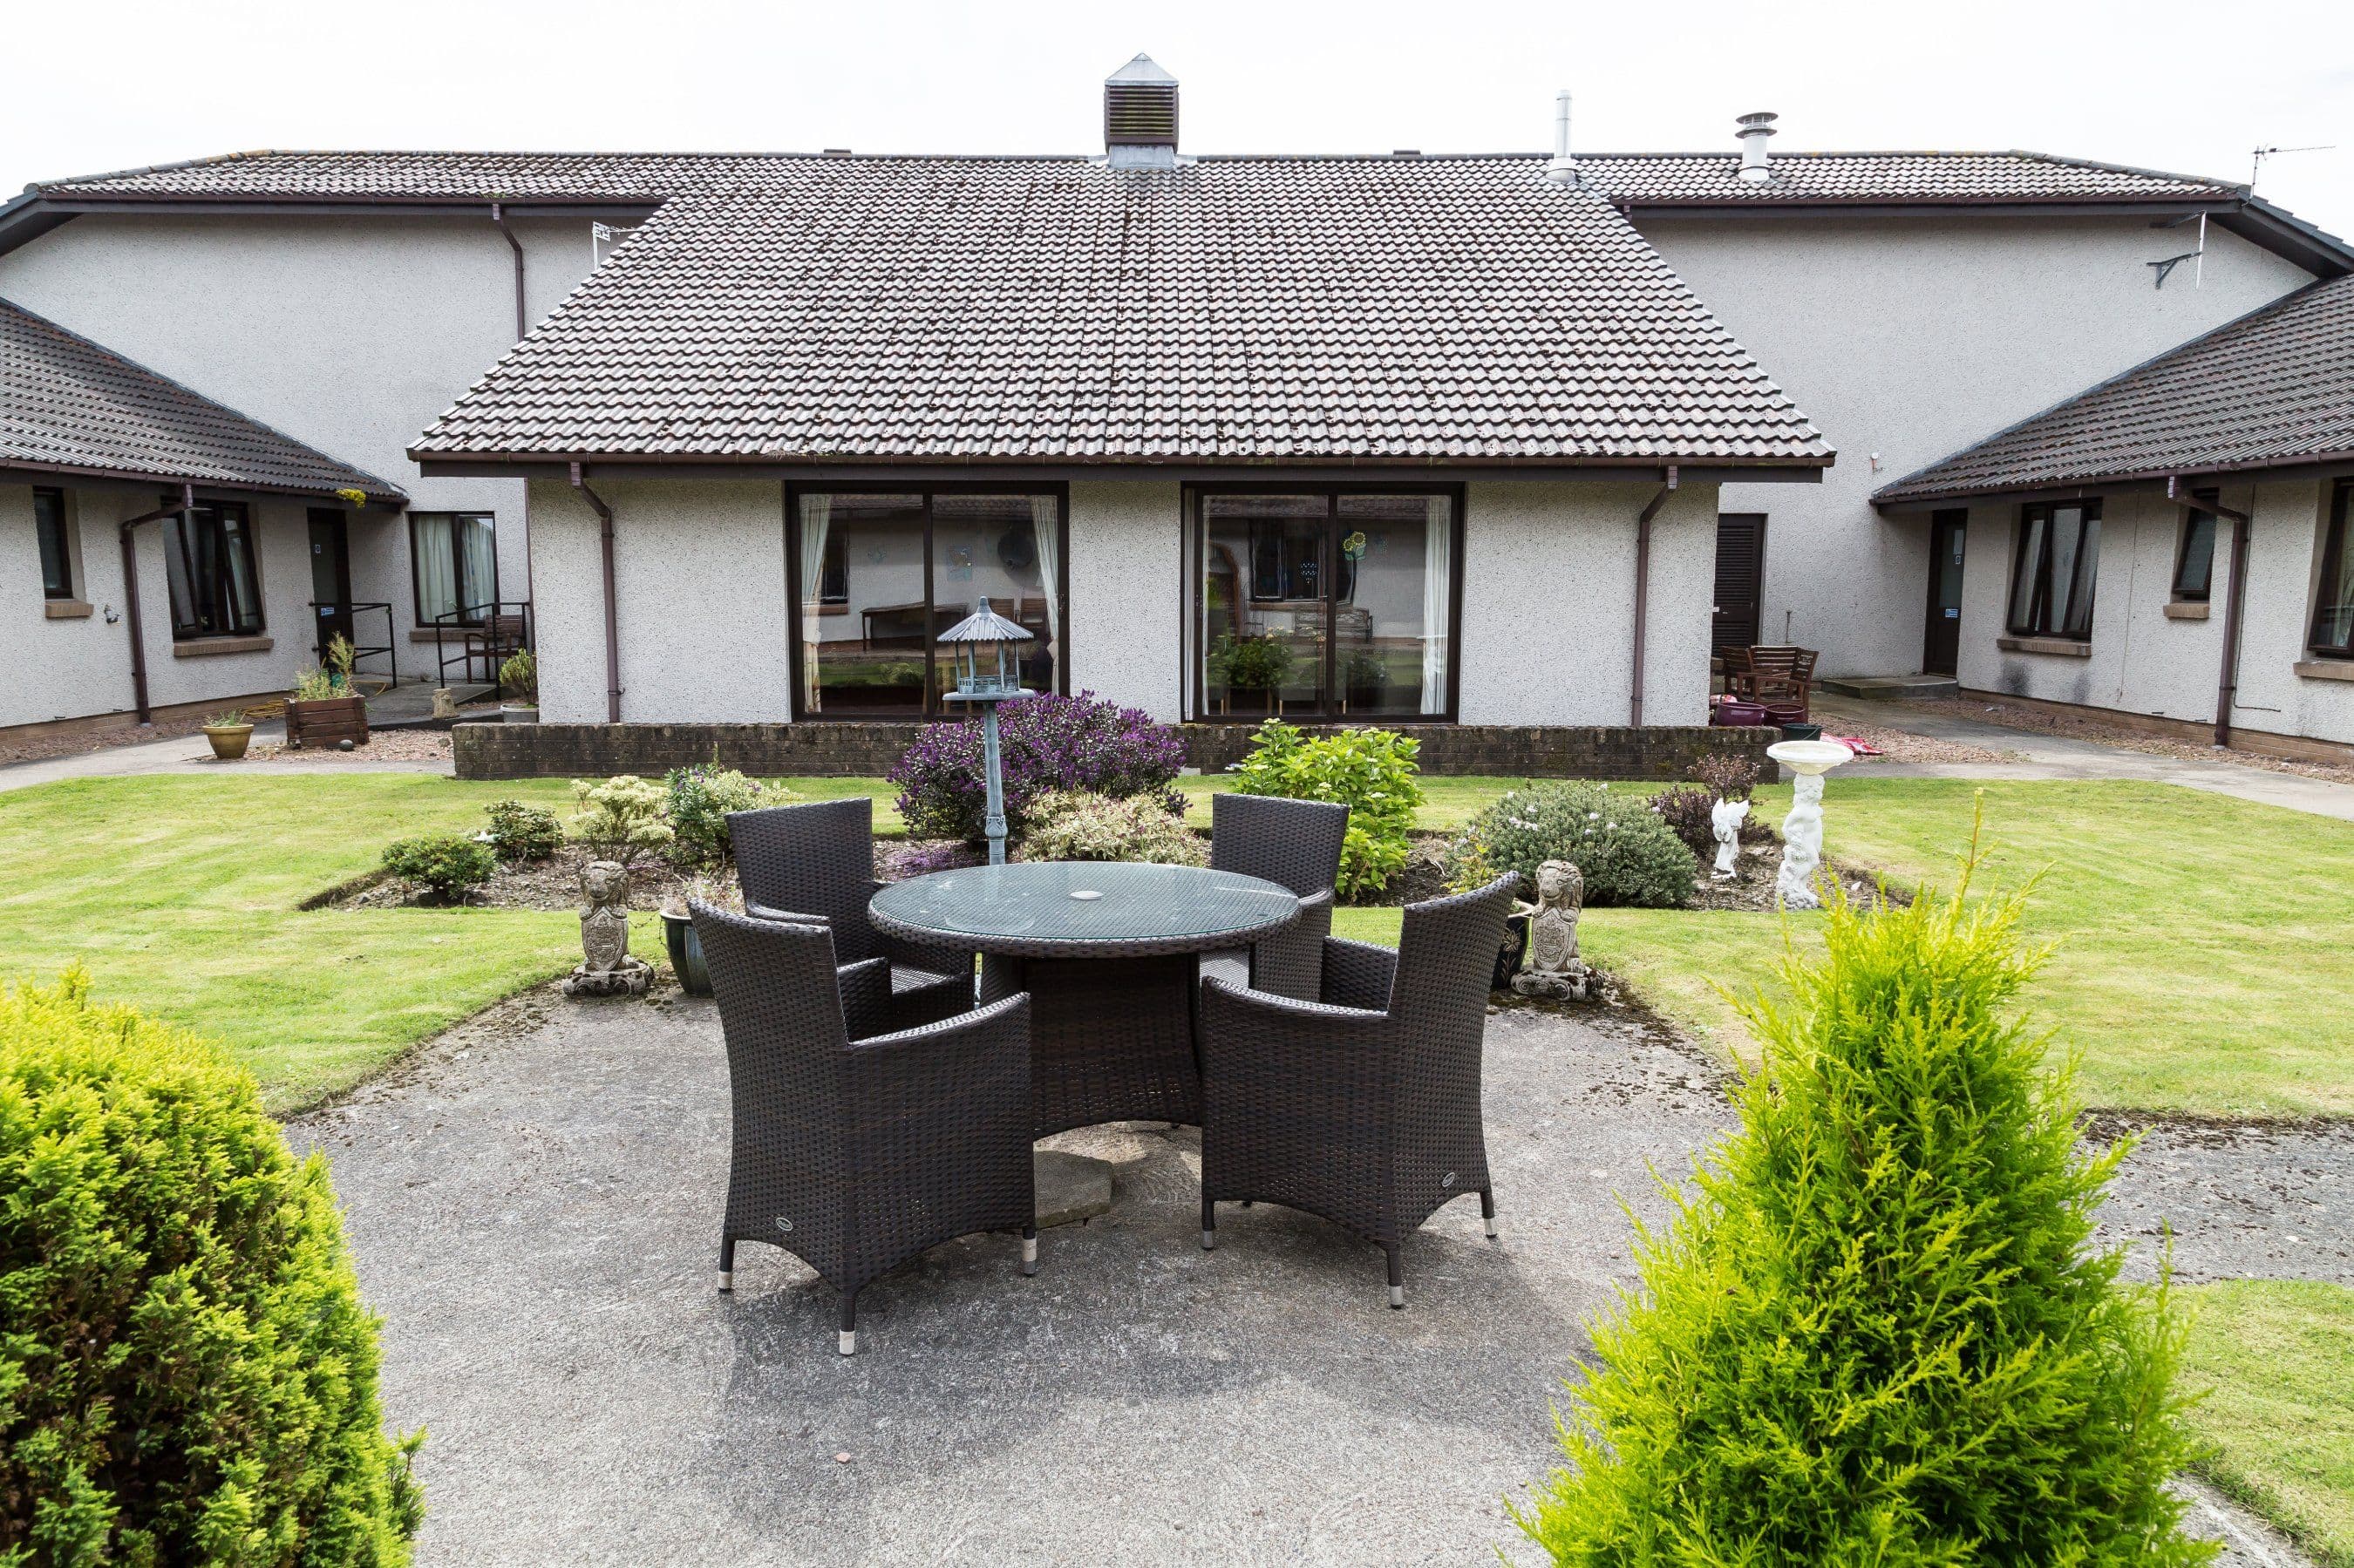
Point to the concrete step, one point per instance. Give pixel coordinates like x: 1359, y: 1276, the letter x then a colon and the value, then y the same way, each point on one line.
x: 1889, y: 687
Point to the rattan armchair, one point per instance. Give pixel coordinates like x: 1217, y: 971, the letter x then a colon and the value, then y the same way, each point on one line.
x: 1363, y: 1107
x: 861, y: 1136
x: 814, y: 865
x: 1297, y: 844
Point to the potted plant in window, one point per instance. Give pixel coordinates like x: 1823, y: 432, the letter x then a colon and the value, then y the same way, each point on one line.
x: 1251, y: 664
x: 322, y: 708
x: 230, y: 733
x: 519, y: 688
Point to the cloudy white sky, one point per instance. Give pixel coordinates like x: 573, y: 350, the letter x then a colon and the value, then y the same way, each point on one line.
x: 2162, y: 83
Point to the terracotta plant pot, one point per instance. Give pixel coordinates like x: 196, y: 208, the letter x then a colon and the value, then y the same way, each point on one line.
x: 229, y: 740
x: 323, y: 721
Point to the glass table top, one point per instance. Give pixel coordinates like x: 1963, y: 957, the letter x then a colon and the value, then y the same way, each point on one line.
x: 1088, y: 902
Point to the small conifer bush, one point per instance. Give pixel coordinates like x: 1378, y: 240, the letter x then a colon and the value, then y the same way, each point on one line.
x: 449, y: 866
x: 1878, y: 1333
x: 186, y: 1371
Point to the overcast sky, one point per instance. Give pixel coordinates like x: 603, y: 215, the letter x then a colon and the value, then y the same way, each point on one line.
x: 105, y: 84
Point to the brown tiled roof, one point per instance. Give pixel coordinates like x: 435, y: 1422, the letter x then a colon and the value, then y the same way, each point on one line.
x: 68, y: 406
x: 1633, y: 177
x: 1236, y: 311
x: 2275, y: 387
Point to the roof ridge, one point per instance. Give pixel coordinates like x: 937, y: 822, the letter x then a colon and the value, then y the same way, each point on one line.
x: 386, y: 487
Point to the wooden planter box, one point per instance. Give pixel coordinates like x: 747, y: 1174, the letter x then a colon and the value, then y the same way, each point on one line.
x: 327, y: 720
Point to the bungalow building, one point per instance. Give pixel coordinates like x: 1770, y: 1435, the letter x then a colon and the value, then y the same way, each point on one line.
x: 1498, y: 441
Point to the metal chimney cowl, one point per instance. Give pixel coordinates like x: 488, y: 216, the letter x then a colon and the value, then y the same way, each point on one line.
x: 1754, y: 130
x: 1140, y: 116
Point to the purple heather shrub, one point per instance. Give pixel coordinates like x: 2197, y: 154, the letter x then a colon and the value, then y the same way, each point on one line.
x: 1047, y: 742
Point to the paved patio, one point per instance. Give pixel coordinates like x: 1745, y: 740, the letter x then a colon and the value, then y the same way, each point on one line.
x: 532, y: 1201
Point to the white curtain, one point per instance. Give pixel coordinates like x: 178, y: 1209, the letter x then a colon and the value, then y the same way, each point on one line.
x: 1045, y: 516
x: 437, y: 567
x: 1437, y: 569
x: 816, y: 512
x: 478, y: 550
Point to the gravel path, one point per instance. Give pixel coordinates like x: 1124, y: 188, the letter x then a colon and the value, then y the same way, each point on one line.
x: 530, y: 1201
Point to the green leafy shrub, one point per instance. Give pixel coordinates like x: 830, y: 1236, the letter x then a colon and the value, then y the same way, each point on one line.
x: 520, y: 832
x: 1879, y: 1332
x: 449, y: 866
x: 1626, y: 855
x: 1072, y: 825
x: 620, y: 819
x: 699, y: 801
x: 1370, y: 772
x: 186, y: 1371
x: 519, y: 678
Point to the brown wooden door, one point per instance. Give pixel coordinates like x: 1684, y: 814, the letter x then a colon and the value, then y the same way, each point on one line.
x: 1941, y: 643
x: 1740, y: 579
x: 330, y: 578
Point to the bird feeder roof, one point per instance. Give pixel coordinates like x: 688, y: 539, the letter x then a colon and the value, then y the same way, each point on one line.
x: 985, y: 625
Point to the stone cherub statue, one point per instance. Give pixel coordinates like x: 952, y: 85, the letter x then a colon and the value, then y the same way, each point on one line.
x: 1553, y: 968
x: 1724, y: 819
x: 605, y: 968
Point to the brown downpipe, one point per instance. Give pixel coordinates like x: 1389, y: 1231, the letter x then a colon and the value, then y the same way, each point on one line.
x: 613, y: 616
x: 131, y: 595
x: 1643, y: 588
x: 2227, y: 683
x: 499, y: 217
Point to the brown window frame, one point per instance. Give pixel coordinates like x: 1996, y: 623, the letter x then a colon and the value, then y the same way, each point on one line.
x: 63, y: 548
x: 931, y: 712
x: 417, y: 578
x: 175, y: 537
x: 1195, y: 672
x: 2191, y: 523
x: 2334, y: 545
x: 2040, y: 619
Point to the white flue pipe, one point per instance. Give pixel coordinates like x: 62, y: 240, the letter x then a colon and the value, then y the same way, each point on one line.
x: 1564, y: 167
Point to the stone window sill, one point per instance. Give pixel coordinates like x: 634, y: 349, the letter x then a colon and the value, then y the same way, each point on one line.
x: 2065, y: 647
x: 65, y: 608
x: 2187, y: 610
x: 2325, y: 669
x: 212, y: 647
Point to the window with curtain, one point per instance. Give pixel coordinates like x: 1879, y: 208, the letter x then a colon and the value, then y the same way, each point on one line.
x: 2333, y: 609
x: 54, y: 535
x: 881, y: 576
x: 1335, y: 604
x: 2194, y: 563
x: 454, y: 560
x: 209, y: 566
x: 2052, y: 576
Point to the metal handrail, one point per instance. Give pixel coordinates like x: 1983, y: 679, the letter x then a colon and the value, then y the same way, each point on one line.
x: 473, y: 625
x: 350, y: 610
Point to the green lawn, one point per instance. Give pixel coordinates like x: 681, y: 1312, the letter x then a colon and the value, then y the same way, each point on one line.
x: 2195, y: 932
x: 2278, y: 1357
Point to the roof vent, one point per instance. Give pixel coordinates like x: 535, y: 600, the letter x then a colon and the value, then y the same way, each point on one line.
x: 1563, y: 168
x: 1754, y: 129
x: 1140, y: 116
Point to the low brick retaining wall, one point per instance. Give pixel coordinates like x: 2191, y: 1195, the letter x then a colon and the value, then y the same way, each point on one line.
x: 769, y: 750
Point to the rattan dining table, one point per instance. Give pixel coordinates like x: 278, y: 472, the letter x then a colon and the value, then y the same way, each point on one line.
x: 1110, y: 954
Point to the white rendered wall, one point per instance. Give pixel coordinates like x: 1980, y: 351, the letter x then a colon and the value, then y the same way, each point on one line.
x: 1127, y: 574
x: 1548, y: 604
x: 352, y: 334
x: 1914, y: 338
x: 2140, y: 660
x: 81, y: 668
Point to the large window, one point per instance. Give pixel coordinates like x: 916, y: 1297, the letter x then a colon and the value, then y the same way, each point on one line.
x: 880, y: 577
x: 55, y: 535
x: 2052, y: 581
x: 2333, y: 609
x: 454, y: 561
x: 208, y: 560
x: 1324, y: 604
x: 2194, y: 563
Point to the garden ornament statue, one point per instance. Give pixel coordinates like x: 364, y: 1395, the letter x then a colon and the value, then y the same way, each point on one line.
x: 987, y: 674
x: 1553, y: 968
x: 1802, y: 829
x: 1724, y: 820
x: 605, y: 968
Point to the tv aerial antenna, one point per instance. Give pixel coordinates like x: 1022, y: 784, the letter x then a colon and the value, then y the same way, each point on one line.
x: 2257, y: 162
